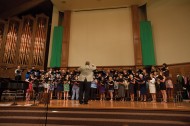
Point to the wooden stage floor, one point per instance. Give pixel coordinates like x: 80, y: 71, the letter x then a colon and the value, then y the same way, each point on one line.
x: 182, y: 106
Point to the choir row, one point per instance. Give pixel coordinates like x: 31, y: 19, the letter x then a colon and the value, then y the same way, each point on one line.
x: 111, y: 84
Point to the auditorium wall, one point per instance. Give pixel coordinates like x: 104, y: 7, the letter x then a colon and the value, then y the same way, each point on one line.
x: 102, y: 36
x: 171, y: 30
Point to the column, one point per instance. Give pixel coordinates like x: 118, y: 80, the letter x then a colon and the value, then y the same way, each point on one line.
x: 66, y: 38
x: 136, y: 35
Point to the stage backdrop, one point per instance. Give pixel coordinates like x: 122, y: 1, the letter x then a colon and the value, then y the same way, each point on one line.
x: 102, y: 36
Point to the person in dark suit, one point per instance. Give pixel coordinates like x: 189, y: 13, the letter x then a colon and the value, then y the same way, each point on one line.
x: 85, y: 78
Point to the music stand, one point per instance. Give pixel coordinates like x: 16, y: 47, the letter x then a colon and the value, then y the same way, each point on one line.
x: 46, y: 102
x: 17, y: 79
x: 36, y: 83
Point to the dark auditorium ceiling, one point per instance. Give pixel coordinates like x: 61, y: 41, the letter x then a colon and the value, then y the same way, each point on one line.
x: 10, y: 8
x: 76, y: 5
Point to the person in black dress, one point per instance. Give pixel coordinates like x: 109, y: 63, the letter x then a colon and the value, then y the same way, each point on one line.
x: 161, y: 80
x: 165, y: 70
x: 131, y: 81
x: 142, y: 84
x: 111, y: 87
x: 59, y: 82
x: 137, y: 86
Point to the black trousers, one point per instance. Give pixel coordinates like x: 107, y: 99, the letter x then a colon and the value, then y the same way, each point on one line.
x: 84, y: 89
x: 93, y: 93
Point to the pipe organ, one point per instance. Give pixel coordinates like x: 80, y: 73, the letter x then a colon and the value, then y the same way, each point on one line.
x: 11, y: 42
x: 23, y: 42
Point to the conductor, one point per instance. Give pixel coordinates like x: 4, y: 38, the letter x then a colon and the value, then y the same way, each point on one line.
x: 85, y: 78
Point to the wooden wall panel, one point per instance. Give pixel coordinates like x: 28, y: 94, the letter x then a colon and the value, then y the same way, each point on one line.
x: 66, y: 38
x: 182, y: 69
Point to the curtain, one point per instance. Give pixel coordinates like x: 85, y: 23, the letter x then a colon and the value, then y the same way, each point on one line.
x: 56, y: 47
x: 147, y: 43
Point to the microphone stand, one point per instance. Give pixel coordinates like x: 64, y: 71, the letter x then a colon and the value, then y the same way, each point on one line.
x: 46, y: 103
x: 35, y: 100
x: 15, y: 103
x: 36, y: 93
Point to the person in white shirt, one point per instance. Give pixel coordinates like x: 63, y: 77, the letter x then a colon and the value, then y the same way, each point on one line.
x: 152, y: 87
x: 85, y: 78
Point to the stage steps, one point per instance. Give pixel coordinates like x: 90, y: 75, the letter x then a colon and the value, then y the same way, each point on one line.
x: 83, y: 116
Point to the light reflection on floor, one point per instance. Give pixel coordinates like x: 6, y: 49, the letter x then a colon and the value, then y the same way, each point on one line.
x: 109, y: 105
